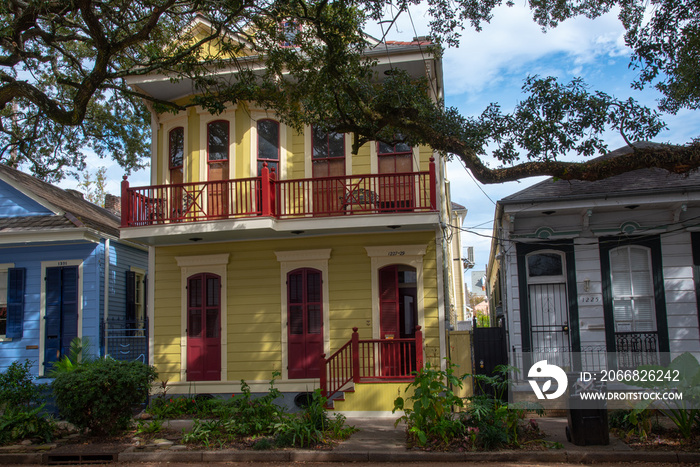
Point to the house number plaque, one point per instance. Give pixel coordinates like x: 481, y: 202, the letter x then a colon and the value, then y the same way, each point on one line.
x: 591, y: 299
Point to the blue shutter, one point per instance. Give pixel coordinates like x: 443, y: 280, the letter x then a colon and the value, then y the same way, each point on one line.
x: 52, y: 340
x: 69, y: 308
x: 130, y: 296
x: 15, y: 302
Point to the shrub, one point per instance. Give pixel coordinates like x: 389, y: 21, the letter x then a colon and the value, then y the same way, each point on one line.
x: 20, y: 410
x: 312, y: 426
x: 17, y: 386
x: 99, y: 395
x: 490, y: 421
x: 430, y: 420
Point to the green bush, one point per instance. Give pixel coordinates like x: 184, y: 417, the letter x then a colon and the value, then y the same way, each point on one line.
x: 312, y: 426
x: 17, y: 387
x: 430, y: 420
x: 100, y: 394
x: 20, y: 408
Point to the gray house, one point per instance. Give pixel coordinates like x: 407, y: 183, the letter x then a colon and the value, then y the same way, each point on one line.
x: 578, y: 269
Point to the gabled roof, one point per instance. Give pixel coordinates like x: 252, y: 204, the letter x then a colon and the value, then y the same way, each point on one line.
x: 70, y: 211
x: 637, y: 182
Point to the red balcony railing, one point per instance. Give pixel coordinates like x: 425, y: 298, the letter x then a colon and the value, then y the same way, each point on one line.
x: 265, y: 196
x: 371, y: 360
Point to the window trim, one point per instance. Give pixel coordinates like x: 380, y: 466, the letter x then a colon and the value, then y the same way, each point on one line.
x: 260, y: 115
x: 308, y: 152
x: 558, y: 278
x: 654, y: 244
x: 189, y: 266
x: 229, y: 115
x: 42, y: 303
x: 567, y: 248
x: 379, y: 258
x: 290, y: 261
x: 257, y: 143
x: 168, y: 123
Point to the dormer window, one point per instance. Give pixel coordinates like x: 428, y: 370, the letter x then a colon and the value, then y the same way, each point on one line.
x: 268, y: 144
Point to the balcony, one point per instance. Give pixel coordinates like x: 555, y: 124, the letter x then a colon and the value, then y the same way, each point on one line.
x: 267, y: 197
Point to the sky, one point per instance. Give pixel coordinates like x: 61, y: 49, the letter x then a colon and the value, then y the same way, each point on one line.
x: 490, y: 66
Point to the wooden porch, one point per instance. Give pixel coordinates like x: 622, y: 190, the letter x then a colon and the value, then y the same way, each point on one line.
x: 265, y: 196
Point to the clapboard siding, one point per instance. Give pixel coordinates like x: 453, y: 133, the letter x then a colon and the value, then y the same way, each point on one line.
x: 253, y: 294
x: 31, y: 258
x: 14, y: 203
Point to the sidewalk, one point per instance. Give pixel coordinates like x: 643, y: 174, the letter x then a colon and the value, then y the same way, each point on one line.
x: 379, y: 441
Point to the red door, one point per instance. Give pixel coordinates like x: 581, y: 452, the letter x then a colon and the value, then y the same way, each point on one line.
x: 204, y: 328
x: 398, y: 317
x: 304, y: 322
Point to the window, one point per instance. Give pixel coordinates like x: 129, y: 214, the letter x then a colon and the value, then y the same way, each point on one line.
x: 394, y: 158
x: 632, y: 289
x: 135, y: 298
x: 289, y: 29
x: 218, y: 149
x: 305, y: 322
x: 11, y: 303
x: 268, y: 144
x: 544, y: 264
x: 328, y: 153
x: 176, y: 150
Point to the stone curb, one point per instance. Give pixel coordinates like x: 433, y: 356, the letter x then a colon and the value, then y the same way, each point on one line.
x: 559, y: 456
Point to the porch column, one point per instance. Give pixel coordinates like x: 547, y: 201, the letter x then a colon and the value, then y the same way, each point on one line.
x: 265, y: 188
x: 355, y: 356
x: 126, y: 212
x: 433, y: 183
x: 419, y: 348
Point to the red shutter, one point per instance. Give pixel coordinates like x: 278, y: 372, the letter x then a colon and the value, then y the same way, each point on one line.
x: 388, y: 302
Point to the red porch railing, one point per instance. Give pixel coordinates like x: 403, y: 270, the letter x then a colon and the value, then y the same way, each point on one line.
x: 265, y: 196
x: 371, y: 360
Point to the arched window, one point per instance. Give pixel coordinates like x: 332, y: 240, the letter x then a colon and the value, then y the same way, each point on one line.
x: 204, y: 327
x: 268, y: 144
x: 218, y: 149
x: 305, y: 322
x: 176, y: 151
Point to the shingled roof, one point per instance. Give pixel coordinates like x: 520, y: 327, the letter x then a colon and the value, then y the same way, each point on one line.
x: 643, y: 181
x: 76, y: 212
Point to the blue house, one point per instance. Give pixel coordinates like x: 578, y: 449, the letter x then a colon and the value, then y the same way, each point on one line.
x: 64, y: 273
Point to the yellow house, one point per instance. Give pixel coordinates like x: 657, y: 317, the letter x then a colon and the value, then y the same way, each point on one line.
x: 273, y: 250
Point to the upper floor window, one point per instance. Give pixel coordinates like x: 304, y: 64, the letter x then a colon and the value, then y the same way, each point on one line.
x: 218, y: 149
x: 289, y: 29
x: 268, y: 144
x: 328, y: 153
x: 176, y: 151
x: 395, y: 158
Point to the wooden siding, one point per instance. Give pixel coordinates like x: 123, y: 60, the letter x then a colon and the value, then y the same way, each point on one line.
x: 681, y: 307
x: 676, y: 258
x: 121, y: 259
x: 14, y: 203
x: 241, y: 156
x: 31, y: 258
x: 253, y: 293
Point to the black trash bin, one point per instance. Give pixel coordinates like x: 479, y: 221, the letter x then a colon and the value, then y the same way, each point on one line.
x: 588, y: 419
